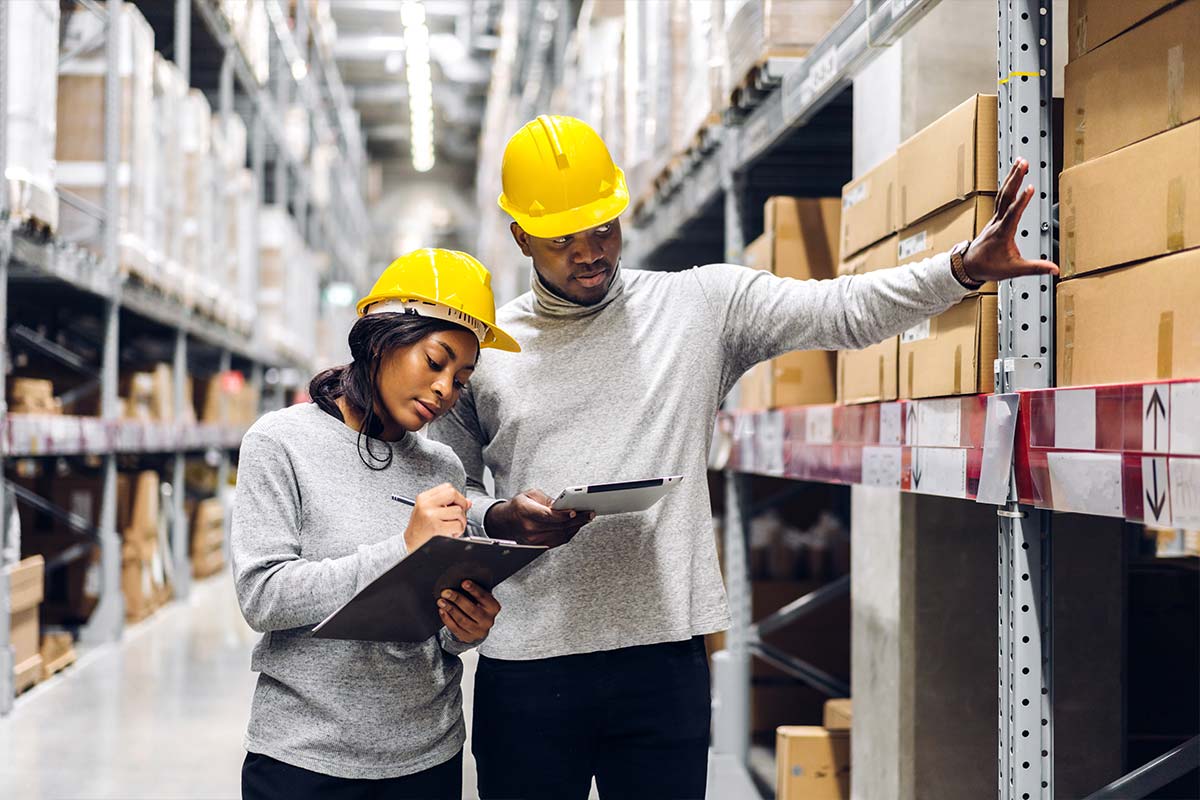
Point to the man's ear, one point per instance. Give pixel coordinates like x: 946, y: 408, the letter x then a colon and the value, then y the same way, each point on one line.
x: 521, y: 238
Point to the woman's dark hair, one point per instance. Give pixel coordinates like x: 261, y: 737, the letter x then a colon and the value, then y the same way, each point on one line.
x: 371, y: 339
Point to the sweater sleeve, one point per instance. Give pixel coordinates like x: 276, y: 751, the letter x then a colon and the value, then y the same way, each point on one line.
x: 461, y: 431
x: 760, y: 316
x: 277, y: 588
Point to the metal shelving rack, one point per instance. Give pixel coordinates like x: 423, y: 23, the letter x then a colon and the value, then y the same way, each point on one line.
x: 311, y: 78
x: 715, y: 175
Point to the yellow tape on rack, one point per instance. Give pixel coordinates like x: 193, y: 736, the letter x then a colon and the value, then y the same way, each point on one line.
x: 1012, y: 75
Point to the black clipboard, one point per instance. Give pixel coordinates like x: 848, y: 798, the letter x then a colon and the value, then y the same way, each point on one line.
x: 401, y: 604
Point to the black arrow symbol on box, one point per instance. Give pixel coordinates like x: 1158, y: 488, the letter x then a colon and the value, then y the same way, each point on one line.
x: 1155, y: 407
x: 916, y: 469
x: 910, y: 435
x: 1156, y: 505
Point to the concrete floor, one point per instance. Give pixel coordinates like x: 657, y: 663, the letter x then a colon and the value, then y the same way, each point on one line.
x: 160, y: 716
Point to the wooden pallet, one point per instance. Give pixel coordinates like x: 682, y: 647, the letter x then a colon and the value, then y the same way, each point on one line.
x: 33, y: 207
x: 753, y: 84
x: 28, y: 673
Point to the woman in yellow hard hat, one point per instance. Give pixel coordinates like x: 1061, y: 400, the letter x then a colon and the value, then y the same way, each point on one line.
x: 313, y: 523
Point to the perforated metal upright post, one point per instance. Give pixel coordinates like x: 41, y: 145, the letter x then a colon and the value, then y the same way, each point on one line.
x: 1026, y: 325
x: 6, y: 652
x: 224, y: 463
x: 108, y: 620
x: 731, y: 728
x: 180, y: 544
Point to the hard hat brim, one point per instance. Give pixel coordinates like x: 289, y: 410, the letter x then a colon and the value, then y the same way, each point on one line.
x: 573, y: 220
x: 495, y: 339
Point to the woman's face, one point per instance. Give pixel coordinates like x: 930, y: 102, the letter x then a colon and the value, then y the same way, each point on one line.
x: 421, y: 382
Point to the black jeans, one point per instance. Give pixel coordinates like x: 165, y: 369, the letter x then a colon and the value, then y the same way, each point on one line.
x: 637, y: 719
x: 265, y: 778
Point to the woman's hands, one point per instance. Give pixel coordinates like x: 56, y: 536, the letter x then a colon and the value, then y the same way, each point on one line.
x: 470, y: 614
x: 440, y: 511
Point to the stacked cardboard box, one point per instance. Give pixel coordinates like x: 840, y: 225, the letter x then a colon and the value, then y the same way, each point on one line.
x: 838, y: 714
x: 800, y: 241
x: 32, y: 40
x: 150, y: 396
x: 143, y: 579
x: 165, y: 211
x: 226, y: 398
x: 287, y: 293
x: 26, y: 580
x: 80, y: 139
x: 1131, y: 275
x: 198, y: 201
x: 812, y: 763
x: 759, y: 29
x: 208, y: 537
x: 33, y: 396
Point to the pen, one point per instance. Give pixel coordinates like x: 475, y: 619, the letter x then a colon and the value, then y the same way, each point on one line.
x: 399, y: 498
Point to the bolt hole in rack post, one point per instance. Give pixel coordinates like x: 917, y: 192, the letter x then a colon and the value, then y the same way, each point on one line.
x: 1128, y: 451
x: 145, y: 314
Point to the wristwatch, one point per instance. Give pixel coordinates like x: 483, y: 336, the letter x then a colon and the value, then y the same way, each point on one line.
x: 958, y: 269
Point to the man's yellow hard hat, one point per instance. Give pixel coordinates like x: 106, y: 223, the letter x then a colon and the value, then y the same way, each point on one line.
x: 559, y: 178
x: 442, y: 284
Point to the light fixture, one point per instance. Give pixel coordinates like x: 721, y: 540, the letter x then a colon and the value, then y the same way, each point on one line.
x: 420, y: 84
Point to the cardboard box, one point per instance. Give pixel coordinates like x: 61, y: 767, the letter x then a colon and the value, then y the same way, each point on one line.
x: 33, y: 396
x: 762, y: 28
x: 71, y: 592
x: 869, y: 207
x: 870, y: 375
x: 143, y: 516
x: 952, y: 159
x: 1135, y: 86
x: 940, y: 232
x: 811, y: 764
x: 1138, y: 323
x: 881, y: 255
x: 951, y: 354
x: 803, y: 236
x: 1138, y: 203
x: 208, y: 527
x: 1091, y: 23
x: 25, y: 595
x: 838, y: 714
x: 26, y: 581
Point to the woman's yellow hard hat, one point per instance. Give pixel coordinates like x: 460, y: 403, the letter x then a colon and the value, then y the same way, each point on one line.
x: 442, y: 284
x: 559, y: 178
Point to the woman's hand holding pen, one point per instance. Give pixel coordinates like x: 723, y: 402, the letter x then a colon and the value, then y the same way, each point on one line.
x: 468, y: 614
x: 440, y: 511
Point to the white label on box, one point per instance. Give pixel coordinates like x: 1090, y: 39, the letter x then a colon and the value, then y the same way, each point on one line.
x: 1156, y: 493
x: 889, y: 423
x: 914, y: 244
x: 941, y: 471
x: 856, y: 195
x: 1185, y: 418
x: 818, y: 425
x: 881, y: 466
x: 1185, y: 491
x: 1156, y: 411
x: 939, y: 423
x: 1088, y: 483
x: 1075, y: 419
x: 916, y: 333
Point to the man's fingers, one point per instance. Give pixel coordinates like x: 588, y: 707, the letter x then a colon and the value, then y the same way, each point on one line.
x: 458, y: 607
x: 1012, y: 216
x: 483, y: 598
x: 539, y: 497
x: 1012, y: 182
x: 460, y: 632
x: 1039, y: 268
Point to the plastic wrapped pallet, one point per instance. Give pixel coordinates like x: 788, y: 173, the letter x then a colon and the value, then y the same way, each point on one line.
x: 296, y: 131
x: 697, y: 70
x: 80, y: 141
x: 321, y: 167
x: 238, y: 268
x: 759, y: 29
x: 197, y: 246
x: 251, y: 28
x: 32, y: 35
x: 287, y: 286
x: 164, y: 211
x: 647, y: 92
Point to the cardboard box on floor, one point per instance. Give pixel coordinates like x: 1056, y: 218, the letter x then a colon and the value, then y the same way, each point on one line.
x: 950, y: 160
x: 1135, y: 204
x: 869, y: 211
x: 811, y: 764
x: 26, y: 580
x: 1135, y: 86
x: 940, y: 232
x: 951, y: 354
x: 1091, y: 23
x: 1137, y: 323
x: 838, y: 714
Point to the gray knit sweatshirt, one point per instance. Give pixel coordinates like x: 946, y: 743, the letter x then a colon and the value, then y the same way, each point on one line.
x: 629, y: 389
x: 312, y: 525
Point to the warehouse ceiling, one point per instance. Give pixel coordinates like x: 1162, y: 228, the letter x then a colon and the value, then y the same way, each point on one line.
x: 370, y: 55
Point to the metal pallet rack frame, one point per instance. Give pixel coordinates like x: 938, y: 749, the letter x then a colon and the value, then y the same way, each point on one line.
x: 341, y: 229
x: 1001, y: 450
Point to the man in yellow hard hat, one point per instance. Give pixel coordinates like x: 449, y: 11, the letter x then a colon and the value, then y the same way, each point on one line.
x: 596, y: 667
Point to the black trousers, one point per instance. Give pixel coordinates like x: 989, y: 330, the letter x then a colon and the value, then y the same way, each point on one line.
x: 637, y: 719
x: 265, y: 778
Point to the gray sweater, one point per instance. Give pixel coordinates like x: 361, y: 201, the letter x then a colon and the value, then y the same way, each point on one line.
x: 311, y: 526
x: 629, y: 389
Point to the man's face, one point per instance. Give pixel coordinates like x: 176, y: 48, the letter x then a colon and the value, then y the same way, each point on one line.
x: 578, y: 267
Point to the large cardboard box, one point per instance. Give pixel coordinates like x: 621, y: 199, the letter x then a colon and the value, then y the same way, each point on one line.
x: 1138, y: 323
x: 802, y: 237
x: 838, y: 714
x: 811, y: 764
x: 869, y: 207
x: 1140, y: 202
x: 1135, y: 86
x: 762, y: 28
x: 1094, y: 22
x: 25, y: 594
x: 952, y: 159
x: 951, y: 354
x: 881, y: 255
x: 940, y: 232
x: 870, y: 375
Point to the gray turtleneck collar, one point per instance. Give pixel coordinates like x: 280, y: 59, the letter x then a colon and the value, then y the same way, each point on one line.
x: 548, y: 303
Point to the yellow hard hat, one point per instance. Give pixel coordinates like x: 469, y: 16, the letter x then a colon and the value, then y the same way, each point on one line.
x: 559, y: 178
x: 442, y: 284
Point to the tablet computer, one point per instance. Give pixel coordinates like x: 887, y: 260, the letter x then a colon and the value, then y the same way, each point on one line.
x: 623, y: 497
